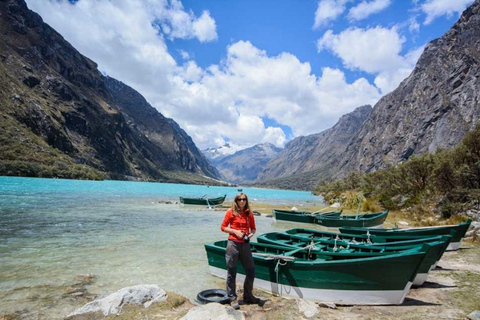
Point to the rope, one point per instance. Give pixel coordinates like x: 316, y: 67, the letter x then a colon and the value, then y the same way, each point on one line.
x: 368, y: 237
x: 277, y: 269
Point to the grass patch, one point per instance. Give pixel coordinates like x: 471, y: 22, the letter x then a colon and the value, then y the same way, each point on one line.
x: 468, y: 298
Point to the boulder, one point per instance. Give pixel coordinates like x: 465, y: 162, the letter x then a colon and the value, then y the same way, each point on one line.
x: 475, y: 315
x: 144, y: 294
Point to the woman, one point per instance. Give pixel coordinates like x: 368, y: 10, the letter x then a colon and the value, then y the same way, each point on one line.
x: 239, y: 223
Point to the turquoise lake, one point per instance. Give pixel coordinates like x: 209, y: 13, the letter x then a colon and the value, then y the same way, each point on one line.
x: 54, y: 233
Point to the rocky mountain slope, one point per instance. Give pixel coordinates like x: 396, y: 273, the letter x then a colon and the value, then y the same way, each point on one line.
x: 316, y: 153
x: 432, y: 108
x: 245, y: 165
x: 59, y: 114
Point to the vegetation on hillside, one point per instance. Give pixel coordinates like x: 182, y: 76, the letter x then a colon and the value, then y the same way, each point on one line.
x: 446, y: 182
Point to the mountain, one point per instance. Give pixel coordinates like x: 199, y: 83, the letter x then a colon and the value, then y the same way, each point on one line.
x: 244, y: 165
x: 217, y: 154
x: 315, y: 154
x: 432, y: 108
x: 59, y: 116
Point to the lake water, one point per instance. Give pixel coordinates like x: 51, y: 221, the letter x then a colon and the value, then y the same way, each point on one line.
x: 61, y: 238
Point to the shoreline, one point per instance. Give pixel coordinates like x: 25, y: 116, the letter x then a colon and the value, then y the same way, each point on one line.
x: 77, y: 293
x: 450, y: 292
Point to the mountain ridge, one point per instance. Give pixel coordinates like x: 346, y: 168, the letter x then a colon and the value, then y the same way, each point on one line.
x: 55, y: 98
x: 434, y: 107
x: 244, y: 165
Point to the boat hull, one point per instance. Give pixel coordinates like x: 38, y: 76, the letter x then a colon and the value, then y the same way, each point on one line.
x: 373, y: 220
x: 357, y: 297
x: 301, y: 216
x: 455, y: 242
x: 377, y: 280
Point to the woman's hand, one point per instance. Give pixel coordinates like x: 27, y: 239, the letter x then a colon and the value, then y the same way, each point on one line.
x: 238, y: 233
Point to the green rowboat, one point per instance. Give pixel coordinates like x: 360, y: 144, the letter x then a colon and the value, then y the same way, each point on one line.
x: 204, y: 201
x: 296, y: 273
x: 302, y: 216
x: 367, y: 239
x: 460, y: 230
x: 368, y: 220
x: 349, y: 250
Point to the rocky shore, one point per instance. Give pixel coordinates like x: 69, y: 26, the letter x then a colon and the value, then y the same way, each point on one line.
x: 451, y: 292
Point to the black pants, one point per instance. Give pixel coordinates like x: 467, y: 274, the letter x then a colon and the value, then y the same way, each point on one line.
x: 239, y: 251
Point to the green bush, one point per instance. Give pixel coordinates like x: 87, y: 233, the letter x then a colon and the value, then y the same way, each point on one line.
x: 451, y: 175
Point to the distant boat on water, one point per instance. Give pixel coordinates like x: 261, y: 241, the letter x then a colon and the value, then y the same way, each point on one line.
x: 203, y: 201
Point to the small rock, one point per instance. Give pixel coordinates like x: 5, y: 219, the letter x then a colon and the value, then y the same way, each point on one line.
x: 403, y: 223
x: 330, y: 305
x: 77, y: 293
x: 475, y: 315
x: 86, y: 278
x: 308, y: 308
x: 294, y: 208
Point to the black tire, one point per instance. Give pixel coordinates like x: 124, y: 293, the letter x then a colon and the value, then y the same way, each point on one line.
x: 213, y: 295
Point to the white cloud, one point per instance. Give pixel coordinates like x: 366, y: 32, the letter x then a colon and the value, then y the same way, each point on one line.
x: 231, y: 98
x: 437, y: 8
x: 371, y: 50
x: 413, y: 25
x: 225, y: 102
x: 185, y: 55
x: 328, y: 10
x: 365, y: 9
x: 275, y: 136
x: 205, y: 27
x: 376, y: 51
x: 191, y: 72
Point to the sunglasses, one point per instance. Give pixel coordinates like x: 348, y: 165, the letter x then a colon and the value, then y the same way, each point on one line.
x: 242, y: 199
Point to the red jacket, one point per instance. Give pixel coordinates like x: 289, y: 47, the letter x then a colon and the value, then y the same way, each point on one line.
x: 242, y: 222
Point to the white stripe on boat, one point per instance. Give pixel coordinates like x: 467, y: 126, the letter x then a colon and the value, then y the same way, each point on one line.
x: 454, y: 245
x: 367, y: 297
x: 420, y: 278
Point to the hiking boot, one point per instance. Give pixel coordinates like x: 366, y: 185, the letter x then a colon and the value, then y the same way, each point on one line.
x: 234, y: 304
x: 250, y: 301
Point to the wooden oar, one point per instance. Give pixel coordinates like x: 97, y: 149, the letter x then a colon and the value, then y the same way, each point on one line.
x: 323, y: 209
x: 274, y: 256
x: 286, y: 256
x: 313, y: 213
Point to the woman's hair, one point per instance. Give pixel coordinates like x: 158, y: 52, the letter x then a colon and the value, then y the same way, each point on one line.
x: 235, y: 207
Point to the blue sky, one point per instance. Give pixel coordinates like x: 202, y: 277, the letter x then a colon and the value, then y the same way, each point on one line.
x: 251, y: 71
